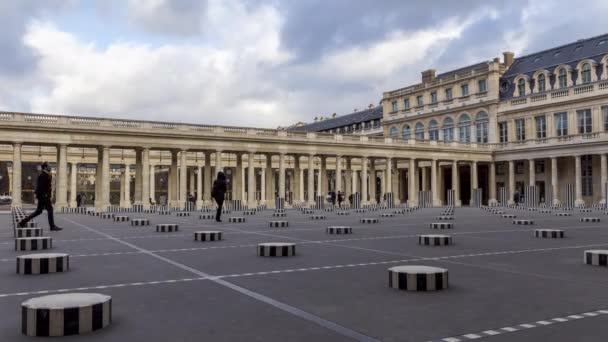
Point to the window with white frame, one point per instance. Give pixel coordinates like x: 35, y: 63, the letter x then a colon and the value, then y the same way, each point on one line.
x: 503, y: 133
x: 586, y: 73
x: 448, y: 94
x: 434, y: 97
x: 420, y: 131
x: 464, y: 89
x: 583, y: 118
x: 562, y: 78
x: 448, y: 129
x: 521, y: 87
x: 406, y: 104
x: 395, y: 107
x: 481, y: 127
x: 482, y: 86
x: 520, y: 129
x: 433, y: 130
x: 464, y: 128
x: 541, y: 127
x: 605, y: 117
x: 419, y: 100
x: 541, y: 83
x: 406, y: 132
x: 587, y: 175
x: 561, y: 124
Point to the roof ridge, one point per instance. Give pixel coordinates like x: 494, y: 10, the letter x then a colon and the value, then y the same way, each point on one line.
x: 579, y: 41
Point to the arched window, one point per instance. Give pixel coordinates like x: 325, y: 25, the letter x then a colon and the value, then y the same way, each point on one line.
x: 562, y: 78
x: 448, y: 129
x: 586, y: 73
x: 481, y: 127
x: 420, y: 131
x: 521, y: 87
x: 541, y: 83
x: 393, y: 132
x: 406, y: 133
x: 464, y: 128
x: 433, y: 130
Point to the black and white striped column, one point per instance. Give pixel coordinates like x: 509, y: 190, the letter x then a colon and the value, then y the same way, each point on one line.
x: 43, y: 263
x: 417, y: 278
x: 277, y: 249
x: 166, y: 227
x: 434, y: 240
x: 208, y: 235
x: 339, y: 230
x: 33, y: 243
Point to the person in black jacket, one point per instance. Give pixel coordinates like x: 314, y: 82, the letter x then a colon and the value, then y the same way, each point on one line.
x: 217, y: 193
x: 44, y: 188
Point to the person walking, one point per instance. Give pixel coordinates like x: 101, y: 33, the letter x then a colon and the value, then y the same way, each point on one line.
x: 217, y: 193
x: 78, y: 200
x: 43, y: 195
x: 340, y: 199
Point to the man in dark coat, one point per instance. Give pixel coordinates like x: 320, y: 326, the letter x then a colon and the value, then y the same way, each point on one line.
x: 44, y: 188
x: 217, y: 193
x: 340, y: 199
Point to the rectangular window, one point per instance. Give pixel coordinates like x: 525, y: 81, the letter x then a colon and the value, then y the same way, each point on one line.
x: 395, y: 107
x: 584, y: 121
x: 482, y: 86
x: 520, y: 129
x: 586, y: 175
x: 539, y: 166
x: 541, y: 127
x: 519, y: 167
x: 605, y: 117
x: 406, y: 103
x: 501, y: 168
x: 464, y: 89
x: 448, y: 94
x: 503, y: 132
x: 434, y: 97
x: 561, y: 124
x: 419, y: 100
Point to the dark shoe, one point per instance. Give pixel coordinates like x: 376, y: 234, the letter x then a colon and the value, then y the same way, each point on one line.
x: 20, y: 225
x: 56, y: 229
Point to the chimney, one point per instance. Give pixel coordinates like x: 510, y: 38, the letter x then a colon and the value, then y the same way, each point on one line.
x: 496, y: 60
x: 370, y: 106
x: 428, y: 76
x: 508, y: 58
x: 316, y: 118
x: 334, y: 115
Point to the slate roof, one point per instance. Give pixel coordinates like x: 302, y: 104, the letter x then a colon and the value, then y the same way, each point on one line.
x: 455, y: 71
x: 340, y: 121
x: 569, y: 54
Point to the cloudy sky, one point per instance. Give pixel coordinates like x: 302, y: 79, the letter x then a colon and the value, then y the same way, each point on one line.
x: 259, y: 63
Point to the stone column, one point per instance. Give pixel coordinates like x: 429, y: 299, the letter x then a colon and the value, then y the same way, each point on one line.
x: 434, y: 184
x: 474, y: 180
x: 511, y: 182
x: 147, y: 179
x: 372, y: 181
x: 603, y: 176
x: 269, y: 182
x: 354, y: 180
x: 208, y: 179
x: 395, y: 184
x: 348, y: 179
x: 578, y: 202
x: 218, y: 161
x: 389, y: 175
x: 73, y: 184
x: 238, y: 183
x: 456, y: 183
x: 338, y: 174
x: 301, y: 184
x: 183, y: 179
x: 323, y: 177
x: 172, y: 182
x: 554, y: 181
x: 103, y: 201
x: 263, y: 185
x: 311, y: 180
x: 122, y: 190
x: 152, y: 182
x: 126, y: 188
x: 199, y: 186
x: 61, y: 192
x: 282, y: 176
x: 16, y: 194
x: 192, y: 183
x: 413, y: 186
x: 297, y: 186
x: 424, y: 178
x: 531, y: 173
x: 251, y: 180
x: 139, y: 178
x: 492, y: 195
x: 364, y: 181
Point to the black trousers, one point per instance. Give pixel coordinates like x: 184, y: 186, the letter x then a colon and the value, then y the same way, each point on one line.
x: 44, y: 203
x: 218, y: 214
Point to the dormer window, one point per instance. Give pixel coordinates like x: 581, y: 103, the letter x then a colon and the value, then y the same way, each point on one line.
x: 562, y: 78
x: 586, y: 73
x: 521, y: 87
x: 541, y: 83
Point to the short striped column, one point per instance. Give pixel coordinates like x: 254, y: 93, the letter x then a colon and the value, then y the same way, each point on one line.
x: 368, y: 220
x: 444, y: 217
x: 596, y: 257
x: 206, y: 217
x: 182, y: 213
x: 140, y: 222
x: 434, y: 240
x: 33, y: 243
x: 121, y: 218
x: 28, y: 232
x: 523, y: 222
x: 339, y: 230
x: 387, y: 215
x: 207, y: 235
x: 549, y: 233
x: 442, y: 225
x: 417, y: 278
x: 278, y: 224
x: 590, y: 219
x: 236, y: 219
x: 318, y: 217
x: 65, y: 314
x: 166, y: 227
x: 43, y: 263
x: 276, y: 249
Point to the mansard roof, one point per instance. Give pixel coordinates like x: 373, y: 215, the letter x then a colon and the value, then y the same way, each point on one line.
x: 564, y: 54
x: 340, y: 121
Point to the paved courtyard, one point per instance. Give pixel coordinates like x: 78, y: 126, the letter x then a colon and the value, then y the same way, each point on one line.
x: 504, y: 284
